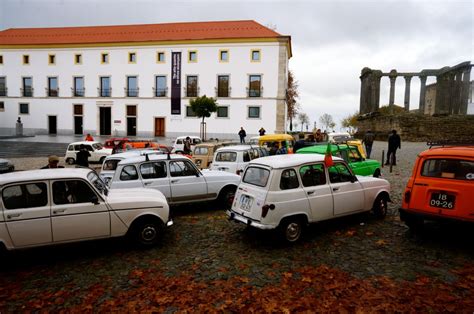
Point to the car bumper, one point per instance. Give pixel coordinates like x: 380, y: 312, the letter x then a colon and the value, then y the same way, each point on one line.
x: 248, y: 221
x: 406, y: 213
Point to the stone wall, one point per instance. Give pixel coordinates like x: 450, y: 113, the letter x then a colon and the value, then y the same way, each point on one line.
x: 418, y: 128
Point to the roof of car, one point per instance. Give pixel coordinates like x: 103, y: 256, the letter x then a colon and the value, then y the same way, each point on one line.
x: 235, y: 147
x: 158, y: 157
x: 44, y: 174
x: 208, y: 144
x: 322, y: 148
x: 85, y: 142
x: 190, y: 136
x: 132, y: 153
x: 289, y: 160
x: 452, y: 151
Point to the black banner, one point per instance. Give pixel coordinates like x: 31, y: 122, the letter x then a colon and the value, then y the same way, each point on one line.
x: 176, y: 83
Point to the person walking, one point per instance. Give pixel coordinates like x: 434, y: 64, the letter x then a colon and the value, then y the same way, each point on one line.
x: 368, y: 141
x: 82, y: 156
x: 261, y: 131
x: 187, y: 146
x: 394, y: 142
x: 242, y: 135
x: 53, y: 162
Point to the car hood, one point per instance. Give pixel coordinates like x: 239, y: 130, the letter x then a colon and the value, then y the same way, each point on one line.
x: 368, y: 181
x: 135, y: 198
x: 220, y: 175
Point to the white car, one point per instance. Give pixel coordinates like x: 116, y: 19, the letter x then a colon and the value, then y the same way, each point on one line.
x: 54, y: 206
x: 178, y: 144
x: 290, y: 191
x: 235, y: 158
x: 177, y: 177
x: 97, y: 151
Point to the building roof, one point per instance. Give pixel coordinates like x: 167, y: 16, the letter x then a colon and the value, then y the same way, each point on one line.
x: 137, y: 33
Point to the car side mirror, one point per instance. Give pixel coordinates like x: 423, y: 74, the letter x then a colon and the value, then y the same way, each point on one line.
x: 95, y: 200
x: 353, y: 179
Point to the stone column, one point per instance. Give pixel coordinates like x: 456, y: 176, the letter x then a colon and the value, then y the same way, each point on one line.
x: 365, y: 75
x: 407, y: 93
x: 376, y: 90
x: 465, y: 90
x: 362, y: 108
x: 422, y: 94
x: 393, y: 77
x: 457, y: 93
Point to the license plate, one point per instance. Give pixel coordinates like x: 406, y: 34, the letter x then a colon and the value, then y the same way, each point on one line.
x: 245, y: 202
x: 442, y: 200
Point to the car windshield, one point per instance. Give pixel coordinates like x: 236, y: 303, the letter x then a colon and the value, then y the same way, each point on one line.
x: 110, y: 164
x: 97, y: 146
x: 256, y: 176
x: 97, y: 182
x: 449, y: 169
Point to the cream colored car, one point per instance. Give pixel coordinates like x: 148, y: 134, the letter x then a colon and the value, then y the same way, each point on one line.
x: 55, y: 206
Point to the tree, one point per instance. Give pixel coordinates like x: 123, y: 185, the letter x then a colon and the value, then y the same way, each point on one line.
x: 304, y: 119
x: 350, y: 123
x: 327, y: 121
x: 292, y: 95
x: 203, y: 107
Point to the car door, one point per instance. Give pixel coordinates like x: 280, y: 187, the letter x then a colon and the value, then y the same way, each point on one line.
x: 77, y: 212
x: 155, y: 176
x: 27, y: 213
x: 317, y: 190
x: 356, y: 162
x: 347, y: 192
x: 186, y: 182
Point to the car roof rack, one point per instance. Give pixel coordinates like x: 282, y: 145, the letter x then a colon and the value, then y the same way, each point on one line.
x: 449, y: 143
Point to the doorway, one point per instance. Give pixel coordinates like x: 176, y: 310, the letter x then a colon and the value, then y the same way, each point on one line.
x: 159, y: 127
x: 78, y: 125
x: 131, y: 126
x: 52, y: 125
x: 105, y: 118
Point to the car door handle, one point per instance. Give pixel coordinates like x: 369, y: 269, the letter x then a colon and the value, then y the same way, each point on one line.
x: 57, y: 211
x: 174, y: 181
x: 310, y: 192
x: 13, y: 216
x: 335, y: 189
x: 147, y: 183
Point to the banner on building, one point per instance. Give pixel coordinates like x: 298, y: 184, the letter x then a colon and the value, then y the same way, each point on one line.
x: 176, y: 83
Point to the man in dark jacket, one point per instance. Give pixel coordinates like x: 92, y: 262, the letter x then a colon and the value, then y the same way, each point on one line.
x: 368, y: 141
x: 394, y: 142
x: 82, y: 156
x: 242, y: 135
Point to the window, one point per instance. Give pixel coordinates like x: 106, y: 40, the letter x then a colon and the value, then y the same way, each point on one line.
x: 313, y: 175
x: 153, y: 170
x: 132, y: 86
x: 128, y: 173
x: 192, y: 56
x: 51, y: 59
x: 182, y: 169
x: 160, y: 86
x: 448, y: 169
x: 246, y: 156
x: 223, y: 86
x: 105, y: 89
x: 201, y: 151
x: 25, y: 196
x: 222, y: 112
x: 190, y: 112
x: 26, y: 59
x: 191, y: 86
x: 78, y: 87
x: 226, y: 156
x: 27, y: 90
x: 255, y: 85
x: 132, y: 57
x: 24, y: 108
x: 78, y: 110
x: 104, y: 58
x: 160, y: 57
x: 53, y: 89
x: 254, y: 113
x: 255, y: 55
x: 2, y: 106
x: 340, y: 173
x: 1, y: 59
x: 224, y: 55
x: 256, y: 176
x: 289, y: 180
x: 77, y: 58
x: 72, y: 192
x: 132, y: 111
x: 3, y: 86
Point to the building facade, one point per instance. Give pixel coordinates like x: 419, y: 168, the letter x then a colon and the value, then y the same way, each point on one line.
x: 137, y: 80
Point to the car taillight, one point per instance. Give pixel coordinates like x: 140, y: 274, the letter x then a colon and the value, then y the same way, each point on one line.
x: 407, y: 196
x: 265, y: 209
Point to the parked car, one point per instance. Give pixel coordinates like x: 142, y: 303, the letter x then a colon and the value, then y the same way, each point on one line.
x: 286, y: 192
x: 282, y: 139
x: 351, y: 154
x: 125, y: 144
x: 54, y: 206
x: 346, y: 138
x: 440, y: 187
x: 178, y: 144
x: 177, y: 177
x: 6, y: 166
x: 97, y: 151
x: 235, y: 158
x: 204, y: 153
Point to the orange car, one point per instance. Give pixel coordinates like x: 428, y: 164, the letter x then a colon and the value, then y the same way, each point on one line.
x: 124, y: 144
x: 440, y: 187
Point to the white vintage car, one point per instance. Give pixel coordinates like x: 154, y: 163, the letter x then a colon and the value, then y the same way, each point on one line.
x: 97, y: 151
x: 177, y: 177
x: 54, y: 206
x: 235, y: 158
x: 290, y: 191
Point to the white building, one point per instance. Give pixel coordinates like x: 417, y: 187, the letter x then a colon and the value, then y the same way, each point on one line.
x: 118, y: 80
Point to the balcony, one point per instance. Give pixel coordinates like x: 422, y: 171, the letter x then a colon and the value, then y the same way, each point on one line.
x: 27, y: 92
x: 52, y: 92
x: 191, y: 91
x: 105, y: 92
x: 78, y: 92
x: 3, y: 92
x: 255, y: 92
x: 223, y: 91
x: 131, y: 92
x: 160, y: 92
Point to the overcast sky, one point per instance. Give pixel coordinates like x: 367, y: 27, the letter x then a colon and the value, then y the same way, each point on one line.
x: 332, y: 40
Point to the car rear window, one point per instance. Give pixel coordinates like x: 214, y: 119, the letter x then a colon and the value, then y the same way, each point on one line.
x: 226, y: 156
x: 256, y: 176
x: 200, y: 151
x: 457, y: 169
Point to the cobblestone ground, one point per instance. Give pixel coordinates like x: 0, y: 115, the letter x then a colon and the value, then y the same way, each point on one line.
x: 206, y: 263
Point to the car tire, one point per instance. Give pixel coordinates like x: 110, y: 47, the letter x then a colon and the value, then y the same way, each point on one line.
x: 377, y: 173
x: 226, y: 197
x: 147, y: 233
x: 380, y: 207
x: 70, y: 161
x: 291, y: 229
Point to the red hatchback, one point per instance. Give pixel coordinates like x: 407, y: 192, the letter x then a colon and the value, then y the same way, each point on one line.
x: 440, y: 187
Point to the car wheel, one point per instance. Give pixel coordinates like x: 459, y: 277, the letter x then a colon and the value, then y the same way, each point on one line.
x: 70, y: 161
x: 377, y: 173
x: 291, y: 229
x: 380, y: 206
x: 148, y: 233
x: 226, y: 197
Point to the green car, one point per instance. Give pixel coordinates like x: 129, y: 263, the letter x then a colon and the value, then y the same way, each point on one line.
x: 358, y: 164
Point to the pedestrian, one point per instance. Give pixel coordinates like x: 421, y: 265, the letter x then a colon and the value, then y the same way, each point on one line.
x: 300, y: 143
x: 282, y: 150
x: 261, y: 131
x: 53, y: 162
x: 89, y: 138
x: 318, y: 136
x: 394, y: 142
x: 82, y: 156
x: 187, y: 146
x: 242, y: 135
x: 274, y: 149
x: 368, y: 141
